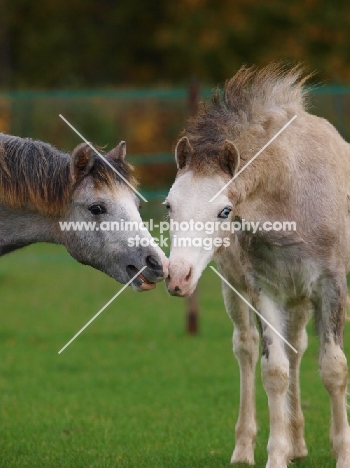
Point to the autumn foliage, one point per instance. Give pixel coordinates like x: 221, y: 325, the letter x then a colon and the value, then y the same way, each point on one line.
x: 106, y: 43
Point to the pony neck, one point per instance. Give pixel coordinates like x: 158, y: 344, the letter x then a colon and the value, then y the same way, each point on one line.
x: 261, y: 178
x: 19, y: 228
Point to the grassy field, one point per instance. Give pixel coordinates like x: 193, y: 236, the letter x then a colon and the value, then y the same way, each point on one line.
x: 133, y: 390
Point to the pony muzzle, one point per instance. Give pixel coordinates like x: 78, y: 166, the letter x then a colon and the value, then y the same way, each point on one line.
x: 147, y: 279
x: 141, y: 282
x: 180, y: 280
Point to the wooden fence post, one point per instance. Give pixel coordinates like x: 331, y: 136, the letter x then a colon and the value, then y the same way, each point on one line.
x: 192, y: 303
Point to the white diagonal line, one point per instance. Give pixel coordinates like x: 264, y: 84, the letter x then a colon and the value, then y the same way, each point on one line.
x: 102, y: 157
x: 103, y: 308
x: 253, y: 309
x: 254, y: 157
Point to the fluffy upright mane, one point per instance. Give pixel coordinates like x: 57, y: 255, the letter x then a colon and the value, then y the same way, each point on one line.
x: 35, y: 175
x: 252, y: 106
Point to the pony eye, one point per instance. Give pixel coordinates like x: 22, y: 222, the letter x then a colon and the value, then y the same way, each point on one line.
x: 97, y: 209
x: 167, y: 206
x: 225, y: 212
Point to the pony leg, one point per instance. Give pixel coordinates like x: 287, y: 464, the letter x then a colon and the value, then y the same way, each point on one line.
x: 330, y: 315
x: 246, y: 349
x: 275, y: 376
x: 297, y: 337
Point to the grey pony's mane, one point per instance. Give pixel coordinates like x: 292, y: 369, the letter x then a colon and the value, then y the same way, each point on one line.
x: 35, y: 175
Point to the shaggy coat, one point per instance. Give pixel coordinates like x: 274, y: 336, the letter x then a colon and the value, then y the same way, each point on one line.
x: 302, y: 176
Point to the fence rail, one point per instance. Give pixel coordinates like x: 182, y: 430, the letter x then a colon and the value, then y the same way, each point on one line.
x: 150, y: 121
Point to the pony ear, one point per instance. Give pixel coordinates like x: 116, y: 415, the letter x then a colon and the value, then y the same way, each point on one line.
x: 82, y: 160
x: 229, y: 158
x: 183, y: 152
x: 119, y: 152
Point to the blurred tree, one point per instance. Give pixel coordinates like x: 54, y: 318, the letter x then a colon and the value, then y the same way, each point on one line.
x: 5, y: 67
x: 72, y: 44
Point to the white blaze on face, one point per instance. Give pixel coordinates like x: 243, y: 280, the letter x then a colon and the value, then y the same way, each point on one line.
x: 197, y: 234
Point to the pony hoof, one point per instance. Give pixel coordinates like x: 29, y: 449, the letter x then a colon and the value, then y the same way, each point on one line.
x: 299, y: 451
x: 242, y: 456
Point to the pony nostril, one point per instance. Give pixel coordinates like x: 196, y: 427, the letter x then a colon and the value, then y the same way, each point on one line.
x: 177, y: 289
x: 153, y: 263
x: 189, y: 275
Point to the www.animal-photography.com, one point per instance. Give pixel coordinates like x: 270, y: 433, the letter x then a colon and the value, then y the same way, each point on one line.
x: 174, y: 234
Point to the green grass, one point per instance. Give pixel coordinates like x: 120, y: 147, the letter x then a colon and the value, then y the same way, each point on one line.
x: 133, y: 390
